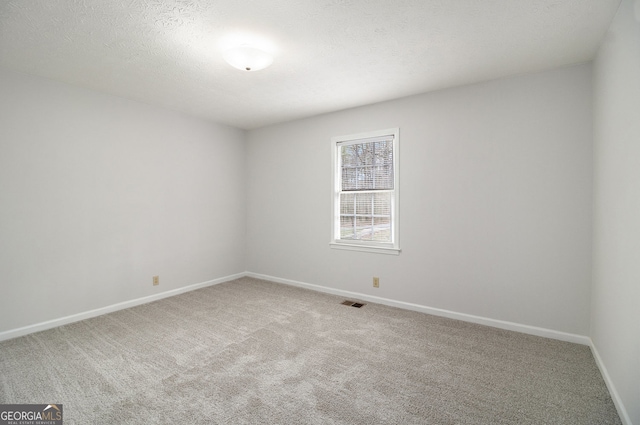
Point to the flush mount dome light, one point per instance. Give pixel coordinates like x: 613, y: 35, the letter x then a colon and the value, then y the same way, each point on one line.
x: 247, y: 58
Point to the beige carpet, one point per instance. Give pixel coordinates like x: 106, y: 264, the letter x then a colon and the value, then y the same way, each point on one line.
x: 255, y: 352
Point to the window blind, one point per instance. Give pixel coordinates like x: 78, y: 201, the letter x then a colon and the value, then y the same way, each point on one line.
x: 367, y: 165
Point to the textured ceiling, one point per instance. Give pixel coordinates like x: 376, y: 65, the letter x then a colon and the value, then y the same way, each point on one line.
x: 329, y: 54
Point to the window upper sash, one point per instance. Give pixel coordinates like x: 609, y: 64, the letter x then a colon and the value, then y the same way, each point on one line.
x: 367, y: 164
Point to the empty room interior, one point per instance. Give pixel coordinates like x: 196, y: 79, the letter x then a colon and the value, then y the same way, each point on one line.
x: 329, y: 212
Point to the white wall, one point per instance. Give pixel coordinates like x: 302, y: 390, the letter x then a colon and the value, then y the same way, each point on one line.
x: 495, y: 201
x: 98, y: 194
x: 615, y: 317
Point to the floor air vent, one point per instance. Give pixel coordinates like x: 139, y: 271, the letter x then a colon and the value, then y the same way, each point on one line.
x: 352, y: 304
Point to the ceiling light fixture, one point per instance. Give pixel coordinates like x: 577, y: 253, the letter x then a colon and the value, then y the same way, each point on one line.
x: 247, y: 58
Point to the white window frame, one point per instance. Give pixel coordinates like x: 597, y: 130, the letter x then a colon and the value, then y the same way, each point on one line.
x: 392, y: 248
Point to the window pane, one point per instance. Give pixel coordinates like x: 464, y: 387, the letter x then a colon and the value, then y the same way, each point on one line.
x: 384, y: 153
x: 347, y: 203
x: 346, y: 228
x: 382, y: 204
x: 364, y: 229
x: 363, y: 203
x: 382, y: 177
x: 349, y: 179
x: 361, y: 178
x: 382, y: 229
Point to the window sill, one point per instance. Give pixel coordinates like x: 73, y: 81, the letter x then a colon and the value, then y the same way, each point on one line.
x: 365, y: 248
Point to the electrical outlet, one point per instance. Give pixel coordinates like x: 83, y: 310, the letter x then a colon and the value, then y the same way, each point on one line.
x: 156, y: 280
x: 376, y: 282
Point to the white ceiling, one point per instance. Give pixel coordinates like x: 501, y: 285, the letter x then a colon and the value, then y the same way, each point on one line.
x: 329, y: 54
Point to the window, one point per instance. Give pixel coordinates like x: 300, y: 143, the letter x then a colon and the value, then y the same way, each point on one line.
x: 365, y: 192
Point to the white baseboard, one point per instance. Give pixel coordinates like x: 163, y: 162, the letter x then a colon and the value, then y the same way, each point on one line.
x: 511, y: 326
x: 622, y: 412
x: 14, y: 333
x: 532, y: 330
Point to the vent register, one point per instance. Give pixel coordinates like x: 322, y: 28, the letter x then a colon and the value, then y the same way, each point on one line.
x: 352, y: 304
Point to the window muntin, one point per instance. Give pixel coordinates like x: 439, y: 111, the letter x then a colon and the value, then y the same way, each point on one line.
x: 365, y: 198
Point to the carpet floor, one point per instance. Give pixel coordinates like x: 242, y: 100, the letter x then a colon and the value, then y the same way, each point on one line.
x: 257, y: 352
